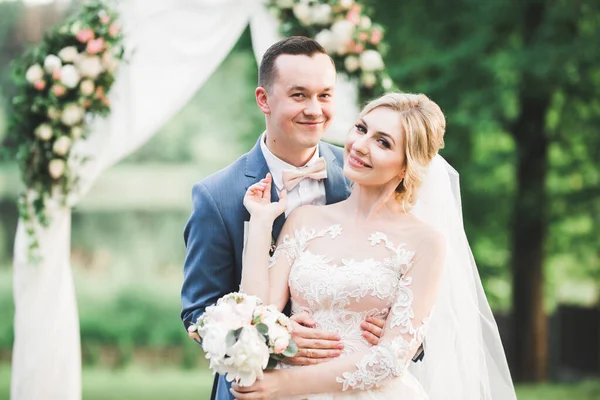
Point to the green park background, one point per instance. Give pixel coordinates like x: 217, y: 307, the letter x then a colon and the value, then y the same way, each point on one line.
x: 519, y: 82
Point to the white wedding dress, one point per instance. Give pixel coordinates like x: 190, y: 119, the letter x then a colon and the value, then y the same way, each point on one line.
x: 400, y: 271
x: 340, y: 277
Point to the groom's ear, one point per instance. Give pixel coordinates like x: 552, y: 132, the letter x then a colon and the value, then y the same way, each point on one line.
x: 262, y: 99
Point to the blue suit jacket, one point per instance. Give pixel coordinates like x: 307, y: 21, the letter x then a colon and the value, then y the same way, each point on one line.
x: 214, y: 234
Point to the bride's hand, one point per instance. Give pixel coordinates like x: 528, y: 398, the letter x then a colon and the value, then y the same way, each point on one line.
x: 258, y: 200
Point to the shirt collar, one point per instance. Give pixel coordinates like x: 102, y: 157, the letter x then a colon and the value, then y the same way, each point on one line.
x: 276, y: 165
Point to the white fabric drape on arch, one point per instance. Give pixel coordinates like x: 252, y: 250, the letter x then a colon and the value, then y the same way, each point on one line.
x: 176, y: 46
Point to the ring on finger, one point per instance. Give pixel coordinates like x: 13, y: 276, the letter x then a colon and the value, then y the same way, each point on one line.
x: 309, y: 353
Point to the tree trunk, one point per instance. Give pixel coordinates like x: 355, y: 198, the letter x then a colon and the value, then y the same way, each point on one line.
x: 528, y: 236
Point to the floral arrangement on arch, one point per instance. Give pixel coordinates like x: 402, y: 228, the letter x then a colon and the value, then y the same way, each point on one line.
x: 345, y: 30
x: 62, y: 83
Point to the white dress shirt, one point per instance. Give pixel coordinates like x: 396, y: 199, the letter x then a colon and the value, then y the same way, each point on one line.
x: 308, y: 191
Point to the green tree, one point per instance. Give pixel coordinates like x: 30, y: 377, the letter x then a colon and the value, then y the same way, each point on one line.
x: 518, y: 81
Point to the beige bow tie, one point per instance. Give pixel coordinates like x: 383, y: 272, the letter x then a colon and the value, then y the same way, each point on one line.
x: 292, y: 177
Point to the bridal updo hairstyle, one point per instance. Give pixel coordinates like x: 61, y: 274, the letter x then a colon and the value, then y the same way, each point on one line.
x: 423, y: 124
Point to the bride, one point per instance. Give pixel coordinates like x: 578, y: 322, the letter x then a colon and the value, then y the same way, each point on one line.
x: 395, y: 249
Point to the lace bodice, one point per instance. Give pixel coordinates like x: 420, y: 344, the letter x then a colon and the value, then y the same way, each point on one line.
x: 340, y: 280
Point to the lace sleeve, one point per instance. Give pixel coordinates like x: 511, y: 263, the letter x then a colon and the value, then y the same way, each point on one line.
x: 288, y: 247
x: 407, y: 324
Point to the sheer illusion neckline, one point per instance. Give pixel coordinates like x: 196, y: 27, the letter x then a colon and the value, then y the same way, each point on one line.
x: 400, y: 256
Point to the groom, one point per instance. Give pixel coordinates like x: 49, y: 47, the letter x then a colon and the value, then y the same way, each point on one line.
x: 296, y: 94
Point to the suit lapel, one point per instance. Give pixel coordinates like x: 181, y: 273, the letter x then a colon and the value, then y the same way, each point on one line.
x: 336, y: 187
x: 256, y: 169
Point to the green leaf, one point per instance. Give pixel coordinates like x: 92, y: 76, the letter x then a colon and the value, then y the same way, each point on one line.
x: 291, y: 350
x: 232, y: 337
x: 272, y: 363
x: 262, y: 328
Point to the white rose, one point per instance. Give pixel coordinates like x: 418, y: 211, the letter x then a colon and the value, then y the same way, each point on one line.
x: 53, y: 113
x: 43, y: 132
x: 387, y: 83
x: 76, y: 27
x: 109, y: 62
x: 76, y: 132
x: 326, y: 38
x: 351, y: 63
x: 72, y: 115
x: 248, y: 357
x: 69, y: 76
x: 90, y: 66
x: 368, y: 79
x: 303, y: 13
x: 370, y: 60
x: 213, y: 341
x: 365, y: 22
x: 34, y: 73
x: 52, y: 63
x: 285, y: 3
x: 87, y: 87
x: 278, y: 333
x: 61, y: 146
x: 346, y: 4
x: 69, y: 54
x: 321, y: 14
x: 343, y: 31
x: 56, y: 168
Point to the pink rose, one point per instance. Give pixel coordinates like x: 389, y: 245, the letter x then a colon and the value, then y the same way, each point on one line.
x: 354, y: 14
x: 113, y: 30
x: 40, y: 85
x: 85, y: 35
x: 353, y: 17
x: 105, y: 19
x: 59, y: 90
x: 56, y: 74
x: 95, y: 46
x: 100, y: 93
x: 356, y: 47
x: 376, y: 36
x: 280, y: 345
x: 363, y: 36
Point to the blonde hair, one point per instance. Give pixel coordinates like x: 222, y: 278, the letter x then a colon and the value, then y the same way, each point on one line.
x: 423, y: 124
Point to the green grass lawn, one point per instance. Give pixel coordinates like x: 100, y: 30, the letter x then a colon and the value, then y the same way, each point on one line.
x: 169, y: 383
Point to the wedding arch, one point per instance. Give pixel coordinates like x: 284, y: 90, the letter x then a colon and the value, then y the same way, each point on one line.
x: 173, y: 48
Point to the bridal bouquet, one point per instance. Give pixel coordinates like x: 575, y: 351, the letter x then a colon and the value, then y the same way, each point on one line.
x: 242, y: 337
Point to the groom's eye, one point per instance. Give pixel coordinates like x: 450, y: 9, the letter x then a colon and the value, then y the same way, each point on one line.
x: 298, y: 95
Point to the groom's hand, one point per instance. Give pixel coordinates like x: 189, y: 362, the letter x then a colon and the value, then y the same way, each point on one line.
x: 314, y: 345
x: 373, y: 329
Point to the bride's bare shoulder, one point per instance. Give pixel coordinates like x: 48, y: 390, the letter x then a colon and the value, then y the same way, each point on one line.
x: 311, y: 213
x: 413, y: 230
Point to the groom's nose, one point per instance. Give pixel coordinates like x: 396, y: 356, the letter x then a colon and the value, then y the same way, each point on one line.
x: 313, y: 108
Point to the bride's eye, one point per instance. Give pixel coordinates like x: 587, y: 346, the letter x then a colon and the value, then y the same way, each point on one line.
x: 384, y: 143
x: 361, y: 128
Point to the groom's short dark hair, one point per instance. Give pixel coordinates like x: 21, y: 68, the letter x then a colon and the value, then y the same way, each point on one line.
x: 294, y: 45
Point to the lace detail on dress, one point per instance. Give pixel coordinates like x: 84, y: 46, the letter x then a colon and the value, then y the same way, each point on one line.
x: 385, y: 361
x: 389, y: 359
x: 291, y: 247
x: 339, y: 289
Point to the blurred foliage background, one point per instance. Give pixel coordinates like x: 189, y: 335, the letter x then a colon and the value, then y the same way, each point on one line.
x: 518, y: 81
